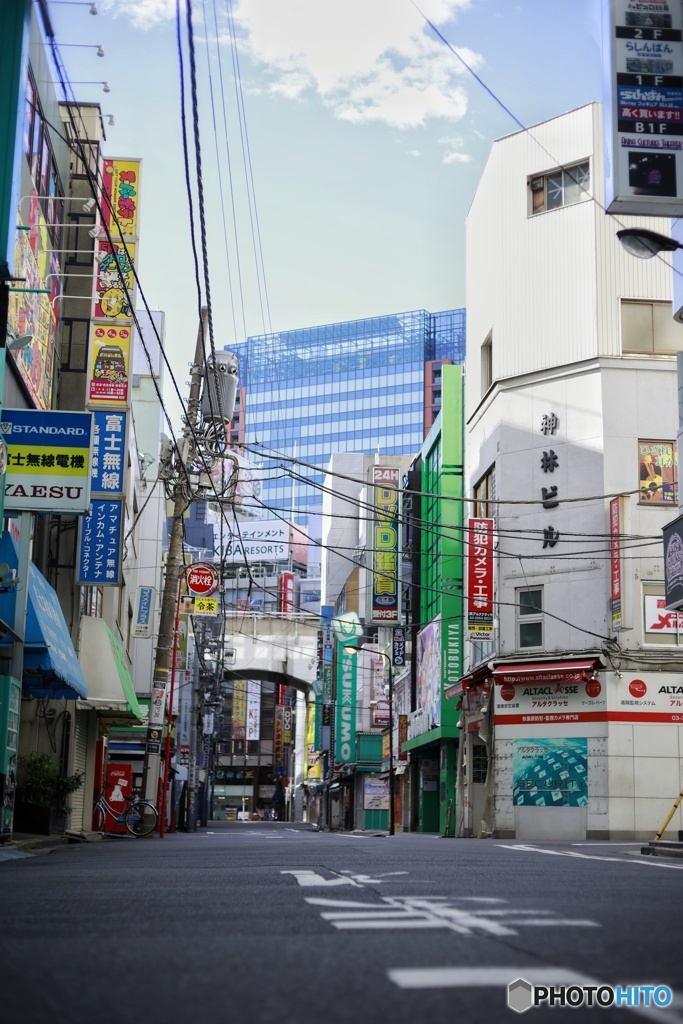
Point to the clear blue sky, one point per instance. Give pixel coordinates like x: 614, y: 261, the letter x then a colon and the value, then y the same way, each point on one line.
x: 367, y: 138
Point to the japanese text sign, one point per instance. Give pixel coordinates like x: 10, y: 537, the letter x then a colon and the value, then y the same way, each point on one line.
x: 108, y: 453
x: 384, y: 594
x: 48, y: 460
x: 480, y: 578
x: 99, y: 550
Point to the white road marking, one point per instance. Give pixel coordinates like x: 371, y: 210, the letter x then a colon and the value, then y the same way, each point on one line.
x: 309, y: 878
x: 653, y: 861
x: 500, y: 977
x: 368, y: 879
x: 436, y: 912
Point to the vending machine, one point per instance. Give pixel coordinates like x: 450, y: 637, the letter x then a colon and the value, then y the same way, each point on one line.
x: 10, y: 706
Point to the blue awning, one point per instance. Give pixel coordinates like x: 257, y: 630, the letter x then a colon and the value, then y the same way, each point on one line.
x: 51, y: 667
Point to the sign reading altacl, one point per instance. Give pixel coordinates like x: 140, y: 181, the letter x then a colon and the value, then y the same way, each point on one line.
x: 48, y: 461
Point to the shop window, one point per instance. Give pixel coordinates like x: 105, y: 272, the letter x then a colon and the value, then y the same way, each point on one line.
x: 480, y: 764
x: 487, y: 364
x: 530, y: 618
x: 648, y: 328
x: 658, y: 473
x: 565, y: 186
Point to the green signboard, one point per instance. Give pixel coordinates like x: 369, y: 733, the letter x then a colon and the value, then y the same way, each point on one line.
x: 345, y: 710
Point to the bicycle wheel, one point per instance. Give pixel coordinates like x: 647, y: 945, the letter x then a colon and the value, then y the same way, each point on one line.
x: 98, y: 817
x: 141, y: 818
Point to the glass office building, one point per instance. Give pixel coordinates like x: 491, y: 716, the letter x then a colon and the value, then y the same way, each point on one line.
x: 360, y: 386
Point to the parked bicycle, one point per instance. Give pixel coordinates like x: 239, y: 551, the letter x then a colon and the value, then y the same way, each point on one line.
x: 139, y: 816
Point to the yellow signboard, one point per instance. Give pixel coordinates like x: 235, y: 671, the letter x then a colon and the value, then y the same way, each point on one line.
x: 205, y: 606
x: 121, y: 187
x: 109, y: 363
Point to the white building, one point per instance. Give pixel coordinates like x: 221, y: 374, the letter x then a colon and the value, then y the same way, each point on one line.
x: 571, y: 401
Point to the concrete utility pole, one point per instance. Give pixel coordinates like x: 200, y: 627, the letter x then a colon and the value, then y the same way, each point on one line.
x: 174, y: 565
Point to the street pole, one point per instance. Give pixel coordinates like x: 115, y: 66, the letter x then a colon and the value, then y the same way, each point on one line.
x: 391, y: 745
x: 192, y: 767
x: 174, y: 564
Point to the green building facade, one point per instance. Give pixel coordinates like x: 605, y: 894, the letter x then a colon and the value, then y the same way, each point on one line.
x: 438, y: 612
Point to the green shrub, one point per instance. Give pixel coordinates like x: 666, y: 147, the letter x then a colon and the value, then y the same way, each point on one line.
x: 42, y: 784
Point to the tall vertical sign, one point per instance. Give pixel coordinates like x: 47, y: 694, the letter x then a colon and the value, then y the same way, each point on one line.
x: 384, y: 586
x: 109, y: 366
x: 643, y: 106
x: 345, y: 711
x: 480, y: 579
x: 615, y: 560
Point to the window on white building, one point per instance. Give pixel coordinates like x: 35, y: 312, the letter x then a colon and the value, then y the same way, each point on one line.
x: 562, y: 187
x: 530, y: 617
x: 648, y: 328
x: 487, y: 364
x: 485, y: 492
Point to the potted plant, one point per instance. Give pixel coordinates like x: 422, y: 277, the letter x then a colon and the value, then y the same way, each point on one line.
x: 42, y: 794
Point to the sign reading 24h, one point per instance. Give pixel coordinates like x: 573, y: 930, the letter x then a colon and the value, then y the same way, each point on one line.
x: 48, y: 460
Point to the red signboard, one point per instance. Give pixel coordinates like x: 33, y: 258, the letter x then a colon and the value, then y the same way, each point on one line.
x: 286, y: 591
x: 480, y: 579
x: 202, y: 579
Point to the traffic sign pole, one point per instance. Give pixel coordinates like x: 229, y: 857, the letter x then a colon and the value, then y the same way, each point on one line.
x: 201, y: 579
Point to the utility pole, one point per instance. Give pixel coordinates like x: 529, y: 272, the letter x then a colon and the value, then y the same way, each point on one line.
x: 174, y: 565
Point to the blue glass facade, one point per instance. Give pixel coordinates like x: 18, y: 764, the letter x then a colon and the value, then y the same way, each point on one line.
x: 348, y: 387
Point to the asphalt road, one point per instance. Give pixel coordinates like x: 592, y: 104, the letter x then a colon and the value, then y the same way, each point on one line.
x: 264, y: 922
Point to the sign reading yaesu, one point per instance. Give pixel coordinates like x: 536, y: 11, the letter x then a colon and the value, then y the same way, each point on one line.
x: 48, y: 461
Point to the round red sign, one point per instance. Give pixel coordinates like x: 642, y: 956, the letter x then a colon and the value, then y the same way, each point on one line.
x: 593, y: 688
x: 637, y: 688
x: 202, y: 579
x: 507, y: 691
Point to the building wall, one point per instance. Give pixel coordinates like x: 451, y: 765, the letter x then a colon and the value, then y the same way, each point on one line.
x: 545, y: 290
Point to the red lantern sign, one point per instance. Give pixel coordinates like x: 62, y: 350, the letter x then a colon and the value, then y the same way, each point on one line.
x: 202, y: 579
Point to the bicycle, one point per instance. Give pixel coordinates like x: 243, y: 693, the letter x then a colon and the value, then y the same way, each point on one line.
x: 139, y: 816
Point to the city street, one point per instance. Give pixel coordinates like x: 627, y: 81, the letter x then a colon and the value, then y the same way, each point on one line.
x: 273, y: 922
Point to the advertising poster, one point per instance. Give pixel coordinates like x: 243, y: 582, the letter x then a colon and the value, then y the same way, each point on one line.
x: 429, y: 672
x: 33, y: 314
x: 385, y: 591
x: 109, y: 362
x: 239, y: 709
x: 48, y: 460
x: 643, y: 54
x: 480, y: 579
x: 550, y: 772
x: 121, y: 187
x: 114, y: 270
x: 253, y: 709
x: 657, y: 471
x: 375, y: 794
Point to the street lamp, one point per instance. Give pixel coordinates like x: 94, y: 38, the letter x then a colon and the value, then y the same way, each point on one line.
x: 350, y: 649
x: 645, y: 244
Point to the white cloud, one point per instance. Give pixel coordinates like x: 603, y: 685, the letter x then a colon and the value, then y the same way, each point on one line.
x: 413, y: 152
x: 142, y: 13
x: 367, y: 60
x: 457, y: 158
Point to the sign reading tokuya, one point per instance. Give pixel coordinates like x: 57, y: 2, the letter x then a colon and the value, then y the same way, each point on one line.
x: 48, y: 461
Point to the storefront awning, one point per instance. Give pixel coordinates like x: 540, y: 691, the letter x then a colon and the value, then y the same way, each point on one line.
x: 571, y: 670
x: 105, y: 666
x: 51, y: 668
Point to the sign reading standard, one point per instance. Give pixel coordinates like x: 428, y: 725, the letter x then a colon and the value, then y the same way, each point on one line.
x: 48, y: 461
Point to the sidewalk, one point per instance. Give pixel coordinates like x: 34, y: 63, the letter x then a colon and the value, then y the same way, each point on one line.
x: 24, y: 844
